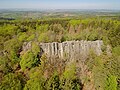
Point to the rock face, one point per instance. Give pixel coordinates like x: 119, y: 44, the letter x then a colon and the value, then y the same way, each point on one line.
x: 27, y: 46
x: 72, y: 50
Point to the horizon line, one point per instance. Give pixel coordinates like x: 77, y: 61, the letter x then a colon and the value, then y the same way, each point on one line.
x: 58, y: 9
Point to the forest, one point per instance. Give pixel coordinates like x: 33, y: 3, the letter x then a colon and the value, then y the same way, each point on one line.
x: 29, y: 71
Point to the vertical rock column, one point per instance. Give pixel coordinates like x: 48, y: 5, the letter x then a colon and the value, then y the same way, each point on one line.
x: 72, y: 50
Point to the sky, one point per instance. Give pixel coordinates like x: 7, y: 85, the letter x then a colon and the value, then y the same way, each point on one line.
x: 60, y: 4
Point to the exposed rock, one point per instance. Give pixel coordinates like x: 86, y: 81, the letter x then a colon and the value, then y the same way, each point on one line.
x: 109, y: 50
x: 27, y: 46
x: 72, y: 50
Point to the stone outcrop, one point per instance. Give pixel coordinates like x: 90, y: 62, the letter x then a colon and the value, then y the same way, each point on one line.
x: 72, y: 50
x: 27, y: 46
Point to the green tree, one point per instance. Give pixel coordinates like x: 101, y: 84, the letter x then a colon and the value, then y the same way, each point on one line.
x: 5, y: 65
x: 36, y: 81
x: 29, y: 60
x: 44, y: 37
x: 54, y: 82
x: 69, y: 80
x: 111, y: 83
x: 10, y: 82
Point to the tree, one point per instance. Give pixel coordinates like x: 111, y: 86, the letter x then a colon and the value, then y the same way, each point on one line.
x: 54, y: 82
x: 5, y: 65
x: 29, y: 60
x: 10, y: 82
x: 111, y: 83
x: 114, y: 35
x: 36, y: 81
x: 69, y: 80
